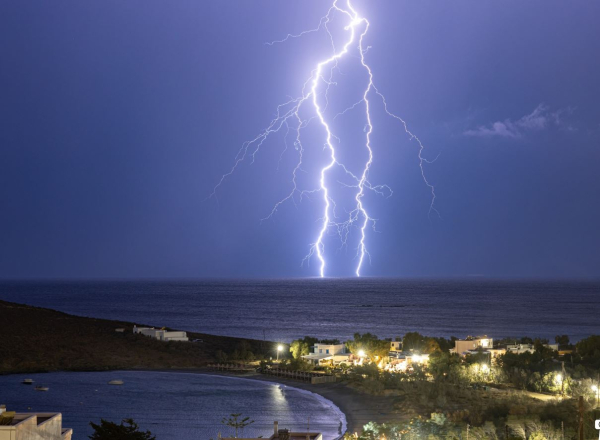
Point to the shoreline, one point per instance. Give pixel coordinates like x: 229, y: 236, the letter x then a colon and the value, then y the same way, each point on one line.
x: 256, y: 378
x: 358, y: 408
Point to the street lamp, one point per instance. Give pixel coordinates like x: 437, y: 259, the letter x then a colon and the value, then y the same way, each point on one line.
x: 279, y: 348
x: 485, y: 368
x: 361, y: 353
x: 559, y: 379
x: 597, y: 391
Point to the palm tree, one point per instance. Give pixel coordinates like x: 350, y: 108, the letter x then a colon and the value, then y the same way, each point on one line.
x: 235, y: 422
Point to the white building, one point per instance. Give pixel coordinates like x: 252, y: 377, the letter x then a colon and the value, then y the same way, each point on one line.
x: 462, y: 346
x: 161, y: 335
x: 527, y: 348
x: 32, y: 426
x: 333, y: 354
x: 401, y: 361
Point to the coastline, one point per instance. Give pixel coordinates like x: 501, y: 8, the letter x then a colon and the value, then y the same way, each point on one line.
x: 358, y: 408
x: 292, y: 385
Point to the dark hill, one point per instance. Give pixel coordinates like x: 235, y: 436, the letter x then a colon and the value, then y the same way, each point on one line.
x: 34, y: 339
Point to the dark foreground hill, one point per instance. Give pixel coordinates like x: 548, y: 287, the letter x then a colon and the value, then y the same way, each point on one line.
x: 34, y: 339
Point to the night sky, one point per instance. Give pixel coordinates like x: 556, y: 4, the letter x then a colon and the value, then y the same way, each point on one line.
x: 117, y: 118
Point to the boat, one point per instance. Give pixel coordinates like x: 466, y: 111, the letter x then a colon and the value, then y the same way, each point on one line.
x: 27, y: 381
x: 41, y: 388
x: 116, y: 382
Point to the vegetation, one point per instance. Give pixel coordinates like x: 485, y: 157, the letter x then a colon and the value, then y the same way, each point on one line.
x: 126, y: 430
x: 373, y: 347
x: 236, y: 422
x: 414, y: 341
x: 449, y: 393
x: 301, y: 347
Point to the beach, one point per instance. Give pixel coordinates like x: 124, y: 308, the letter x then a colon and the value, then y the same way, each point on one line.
x: 359, y: 408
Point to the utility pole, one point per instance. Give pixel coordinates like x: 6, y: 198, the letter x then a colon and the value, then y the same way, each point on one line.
x: 506, y: 432
x: 581, y: 410
x: 562, y: 382
x: 468, y: 426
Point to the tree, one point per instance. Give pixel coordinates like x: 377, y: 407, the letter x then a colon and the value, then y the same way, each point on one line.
x: 301, y: 347
x: 441, y: 364
x: 417, y: 342
x: 234, y: 421
x: 373, y: 347
x: 243, y: 352
x: 221, y: 356
x: 589, y: 347
x: 561, y: 340
x: 127, y: 430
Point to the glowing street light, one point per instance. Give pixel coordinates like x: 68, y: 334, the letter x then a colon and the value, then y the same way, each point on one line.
x: 560, y: 380
x: 485, y: 368
x: 361, y: 353
x: 279, y: 348
x: 597, y: 391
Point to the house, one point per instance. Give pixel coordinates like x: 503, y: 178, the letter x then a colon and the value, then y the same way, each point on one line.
x: 283, y: 433
x: 395, y: 346
x: 461, y: 346
x: 527, y: 348
x: 327, y: 354
x: 32, y: 426
x: 402, y: 361
x: 161, y: 335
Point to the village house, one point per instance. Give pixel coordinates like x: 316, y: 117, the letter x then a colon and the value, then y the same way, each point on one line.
x: 462, y: 346
x: 328, y: 354
x: 527, y: 348
x: 402, y: 361
x: 32, y: 426
x: 282, y: 434
x: 395, y: 346
x: 161, y: 335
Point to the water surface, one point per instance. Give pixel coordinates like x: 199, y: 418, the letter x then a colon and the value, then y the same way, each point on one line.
x: 282, y: 310
x: 173, y: 406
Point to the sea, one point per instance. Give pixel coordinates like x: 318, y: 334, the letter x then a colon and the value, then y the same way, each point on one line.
x: 283, y: 310
x: 191, y: 406
x: 173, y: 406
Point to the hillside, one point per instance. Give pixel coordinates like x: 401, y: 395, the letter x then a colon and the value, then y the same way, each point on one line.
x: 34, y: 339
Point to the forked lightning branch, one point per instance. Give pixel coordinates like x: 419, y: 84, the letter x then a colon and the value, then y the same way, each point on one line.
x: 315, y: 94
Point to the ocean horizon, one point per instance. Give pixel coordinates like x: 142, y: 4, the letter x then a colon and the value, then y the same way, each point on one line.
x: 286, y: 309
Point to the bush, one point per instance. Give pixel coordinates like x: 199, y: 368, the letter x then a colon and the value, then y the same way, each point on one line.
x: 127, y: 430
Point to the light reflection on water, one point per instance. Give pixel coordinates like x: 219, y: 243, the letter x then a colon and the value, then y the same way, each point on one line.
x: 174, y: 406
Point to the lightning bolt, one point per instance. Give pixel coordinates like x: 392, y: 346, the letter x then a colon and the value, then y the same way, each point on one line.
x: 289, y: 115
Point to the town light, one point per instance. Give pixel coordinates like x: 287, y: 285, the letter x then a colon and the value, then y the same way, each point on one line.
x: 594, y: 388
x: 361, y: 353
x: 279, y: 348
x: 558, y: 378
x: 485, y: 368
